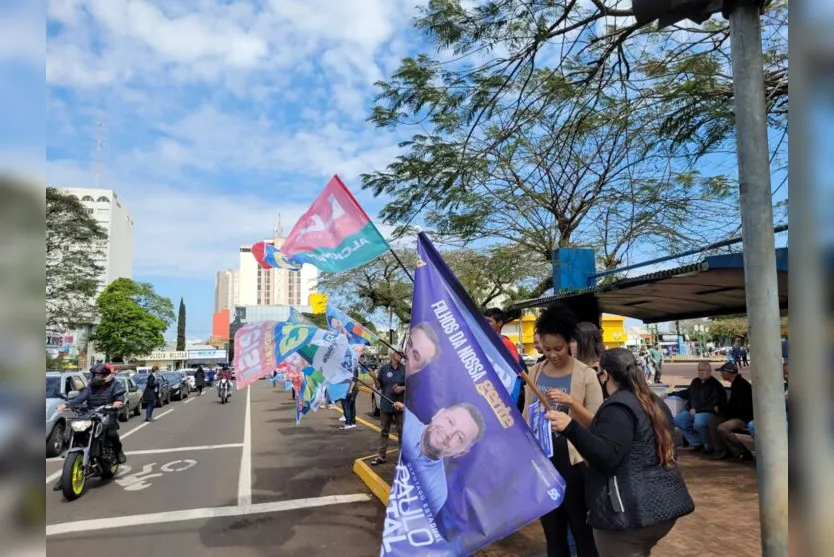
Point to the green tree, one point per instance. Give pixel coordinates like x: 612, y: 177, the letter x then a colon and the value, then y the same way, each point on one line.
x: 380, y: 291
x: 317, y: 319
x: 133, y: 318
x: 564, y: 124
x: 74, y: 245
x: 733, y: 327
x: 181, y: 327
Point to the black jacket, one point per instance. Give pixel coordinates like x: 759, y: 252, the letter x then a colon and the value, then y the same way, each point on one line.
x: 740, y: 405
x: 149, y: 394
x: 625, y: 486
x: 108, y: 393
x: 704, y: 396
x: 200, y: 378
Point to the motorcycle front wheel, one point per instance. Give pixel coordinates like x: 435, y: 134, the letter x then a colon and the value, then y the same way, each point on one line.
x: 73, y: 476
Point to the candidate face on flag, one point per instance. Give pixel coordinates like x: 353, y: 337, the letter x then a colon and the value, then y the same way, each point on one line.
x: 460, y: 421
x: 421, y: 348
x: 337, y: 326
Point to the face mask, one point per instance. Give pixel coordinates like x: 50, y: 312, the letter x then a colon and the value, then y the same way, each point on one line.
x: 97, y: 382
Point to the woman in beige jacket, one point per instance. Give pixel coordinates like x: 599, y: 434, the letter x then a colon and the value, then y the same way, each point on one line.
x: 566, y: 382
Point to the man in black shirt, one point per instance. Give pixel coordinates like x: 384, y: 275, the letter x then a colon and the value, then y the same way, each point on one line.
x: 391, y: 378
x: 735, y: 414
x: 705, y: 397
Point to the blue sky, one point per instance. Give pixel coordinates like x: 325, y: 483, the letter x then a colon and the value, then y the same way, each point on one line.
x: 217, y: 119
x: 218, y: 116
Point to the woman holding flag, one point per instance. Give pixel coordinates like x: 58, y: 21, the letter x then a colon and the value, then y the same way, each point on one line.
x: 564, y: 380
x: 635, y: 491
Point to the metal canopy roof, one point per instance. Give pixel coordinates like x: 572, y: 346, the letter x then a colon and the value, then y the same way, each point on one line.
x: 711, y: 287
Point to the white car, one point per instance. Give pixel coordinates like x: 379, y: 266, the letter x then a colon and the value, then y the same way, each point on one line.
x: 189, y: 375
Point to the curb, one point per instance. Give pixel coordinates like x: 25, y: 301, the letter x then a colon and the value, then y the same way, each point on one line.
x: 371, y: 479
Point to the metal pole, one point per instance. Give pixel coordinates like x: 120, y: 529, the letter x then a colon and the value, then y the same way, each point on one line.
x: 760, y: 276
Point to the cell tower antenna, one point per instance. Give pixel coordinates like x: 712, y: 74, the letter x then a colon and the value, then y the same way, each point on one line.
x: 279, y: 230
x: 99, y: 149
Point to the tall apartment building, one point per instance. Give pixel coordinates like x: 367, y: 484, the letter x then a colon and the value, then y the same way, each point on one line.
x: 251, y: 285
x: 116, y: 257
x: 226, y: 290
x: 115, y: 254
x: 268, y: 287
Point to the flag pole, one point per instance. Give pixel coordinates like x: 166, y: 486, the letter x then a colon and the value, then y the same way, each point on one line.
x: 397, y: 257
x: 375, y: 391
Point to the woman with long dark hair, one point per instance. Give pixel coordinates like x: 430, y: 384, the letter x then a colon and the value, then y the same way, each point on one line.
x: 560, y: 377
x: 634, y: 489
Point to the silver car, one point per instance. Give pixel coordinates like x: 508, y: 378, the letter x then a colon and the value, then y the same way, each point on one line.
x: 60, y: 387
x: 133, y: 398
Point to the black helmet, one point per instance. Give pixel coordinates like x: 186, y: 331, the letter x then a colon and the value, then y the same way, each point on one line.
x: 101, y: 369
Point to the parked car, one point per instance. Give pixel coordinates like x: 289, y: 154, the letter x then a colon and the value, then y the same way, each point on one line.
x: 188, y: 375
x: 163, y: 395
x: 133, y: 398
x: 178, y: 386
x: 60, y: 387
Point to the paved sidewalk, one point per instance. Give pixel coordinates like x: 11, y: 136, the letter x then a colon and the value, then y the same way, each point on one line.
x: 725, y: 493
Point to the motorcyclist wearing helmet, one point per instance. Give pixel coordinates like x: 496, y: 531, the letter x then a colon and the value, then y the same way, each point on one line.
x: 102, y: 390
x: 223, y: 373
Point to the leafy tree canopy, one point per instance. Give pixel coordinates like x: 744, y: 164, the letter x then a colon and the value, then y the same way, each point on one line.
x: 564, y: 124
x: 133, y: 319
x: 74, y: 241
x: 380, y: 290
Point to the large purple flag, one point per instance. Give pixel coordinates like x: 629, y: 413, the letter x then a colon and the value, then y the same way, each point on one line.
x: 470, y: 471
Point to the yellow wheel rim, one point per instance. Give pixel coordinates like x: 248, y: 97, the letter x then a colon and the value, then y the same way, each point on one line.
x: 78, y: 475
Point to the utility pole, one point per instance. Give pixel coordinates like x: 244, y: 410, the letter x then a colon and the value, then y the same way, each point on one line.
x: 760, y: 279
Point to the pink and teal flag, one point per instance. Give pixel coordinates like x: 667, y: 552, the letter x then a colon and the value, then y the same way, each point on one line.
x: 268, y: 257
x: 335, y: 234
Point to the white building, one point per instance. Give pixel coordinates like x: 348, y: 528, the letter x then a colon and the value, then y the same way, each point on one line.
x: 117, y: 250
x: 256, y: 286
x: 226, y: 290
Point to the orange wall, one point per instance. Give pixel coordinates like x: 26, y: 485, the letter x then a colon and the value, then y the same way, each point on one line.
x: 220, y: 324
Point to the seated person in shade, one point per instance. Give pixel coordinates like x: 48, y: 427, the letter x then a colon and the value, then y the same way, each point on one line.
x: 735, y: 415
x: 705, y: 397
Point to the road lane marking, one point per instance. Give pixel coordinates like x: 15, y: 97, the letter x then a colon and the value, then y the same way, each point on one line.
x: 140, y: 426
x: 244, y: 480
x: 200, y: 514
x: 186, y: 449
x: 55, y: 475
x: 189, y: 400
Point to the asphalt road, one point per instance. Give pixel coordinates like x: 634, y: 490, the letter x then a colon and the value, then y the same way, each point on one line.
x: 225, y: 480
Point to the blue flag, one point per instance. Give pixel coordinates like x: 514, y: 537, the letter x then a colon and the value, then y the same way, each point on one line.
x: 340, y: 322
x: 297, y: 318
x: 470, y: 470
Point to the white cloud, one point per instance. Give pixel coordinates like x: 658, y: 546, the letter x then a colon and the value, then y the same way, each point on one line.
x: 218, y: 115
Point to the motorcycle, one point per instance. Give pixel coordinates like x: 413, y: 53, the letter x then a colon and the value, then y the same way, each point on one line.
x: 224, y: 389
x: 89, y: 454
